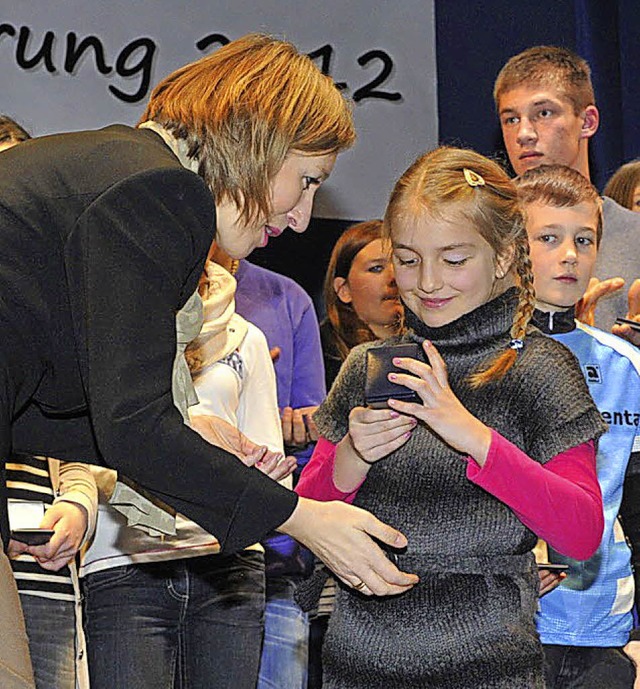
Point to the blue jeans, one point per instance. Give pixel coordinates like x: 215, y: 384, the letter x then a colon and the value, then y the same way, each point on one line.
x: 578, y: 667
x: 185, y: 624
x: 51, y: 629
x: 285, y: 649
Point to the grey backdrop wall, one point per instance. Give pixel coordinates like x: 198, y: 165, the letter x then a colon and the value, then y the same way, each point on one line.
x: 82, y: 64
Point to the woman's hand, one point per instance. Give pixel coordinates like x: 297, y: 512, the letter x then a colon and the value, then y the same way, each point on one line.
x: 222, y: 434
x: 342, y: 536
x: 441, y: 409
x: 69, y: 523
x: 275, y: 466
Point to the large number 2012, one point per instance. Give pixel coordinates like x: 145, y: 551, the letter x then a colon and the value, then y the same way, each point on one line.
x: 369, y: 90
x: 325, y: 55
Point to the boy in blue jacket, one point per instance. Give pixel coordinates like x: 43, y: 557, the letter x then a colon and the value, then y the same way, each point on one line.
x: 584, y: 623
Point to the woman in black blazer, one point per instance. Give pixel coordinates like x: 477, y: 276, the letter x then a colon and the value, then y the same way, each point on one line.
x: 103, y: 236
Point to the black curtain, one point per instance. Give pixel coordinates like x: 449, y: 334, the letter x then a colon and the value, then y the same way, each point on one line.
x: 607, y: 36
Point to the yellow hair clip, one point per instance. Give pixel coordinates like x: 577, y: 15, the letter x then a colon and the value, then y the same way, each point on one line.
x: 473, y: 178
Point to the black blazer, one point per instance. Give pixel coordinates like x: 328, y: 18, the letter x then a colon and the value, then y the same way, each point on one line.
x: 103, y: 236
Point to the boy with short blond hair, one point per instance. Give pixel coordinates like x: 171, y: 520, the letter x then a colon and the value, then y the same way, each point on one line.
x: 552, y: 66
x: 585, y: 622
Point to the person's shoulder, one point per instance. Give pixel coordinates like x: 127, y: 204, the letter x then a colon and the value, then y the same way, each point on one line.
x: 254, y: 338
x: 85, y: 162
x: 542, y: 355
x: 280, y: 284
x: 539, y: 343
x: 613, y: 212
x: 615, y: 346
x: 116, y: 143
x: 92, y: 162
x: 550, y: 389
x: 128, y: 150
x: 358, y: 354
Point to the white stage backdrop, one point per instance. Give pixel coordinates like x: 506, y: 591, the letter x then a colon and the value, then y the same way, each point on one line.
x: 80, y: 64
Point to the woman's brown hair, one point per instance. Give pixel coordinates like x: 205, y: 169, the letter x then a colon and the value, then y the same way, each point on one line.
x: 243, y: 108
x: 454, y: 182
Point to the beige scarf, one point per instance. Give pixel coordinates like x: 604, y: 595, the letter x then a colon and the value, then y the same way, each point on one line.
x: 223, y: 328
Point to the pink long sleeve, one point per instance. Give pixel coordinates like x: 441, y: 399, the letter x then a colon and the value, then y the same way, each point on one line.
x: 560, y: 501
x: 316, y: 480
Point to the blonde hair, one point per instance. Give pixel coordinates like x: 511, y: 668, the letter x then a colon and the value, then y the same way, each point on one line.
x: 347, y: 328
x: 243, y: 108
x: 559, y: 186
x: 459, y: 182
x: 623, y: 183
x: 550, y: 66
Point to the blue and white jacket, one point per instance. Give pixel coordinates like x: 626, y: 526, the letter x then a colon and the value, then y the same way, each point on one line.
x: 593, y: 605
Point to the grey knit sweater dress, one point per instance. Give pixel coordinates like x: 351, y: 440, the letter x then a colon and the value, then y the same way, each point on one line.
x: 469, y: 622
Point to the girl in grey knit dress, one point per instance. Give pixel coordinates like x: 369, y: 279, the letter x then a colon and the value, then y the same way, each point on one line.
x: 500, y: 450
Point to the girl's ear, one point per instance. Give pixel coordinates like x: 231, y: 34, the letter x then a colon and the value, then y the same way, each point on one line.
x: 341, y: 287
x: 504, y: 262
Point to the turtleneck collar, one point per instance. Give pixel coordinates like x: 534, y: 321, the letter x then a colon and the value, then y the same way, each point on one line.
x: 491, y: 320
x: 554, y: 322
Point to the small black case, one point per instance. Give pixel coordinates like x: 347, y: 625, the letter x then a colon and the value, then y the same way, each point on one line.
x: 378, y: 388
x: 32, y: 536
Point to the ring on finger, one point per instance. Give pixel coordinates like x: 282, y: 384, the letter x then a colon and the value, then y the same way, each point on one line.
x: 360, y: 586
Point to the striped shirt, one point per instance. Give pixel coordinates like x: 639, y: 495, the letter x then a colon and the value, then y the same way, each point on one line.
x: 28, y: 479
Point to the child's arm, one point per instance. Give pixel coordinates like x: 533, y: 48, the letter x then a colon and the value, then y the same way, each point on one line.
x: 316, y: 480
x: 72, y: 515
x: 78, y: 485
x: 560, y: 501
x: 373, y: 435
x: 335, y: 472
